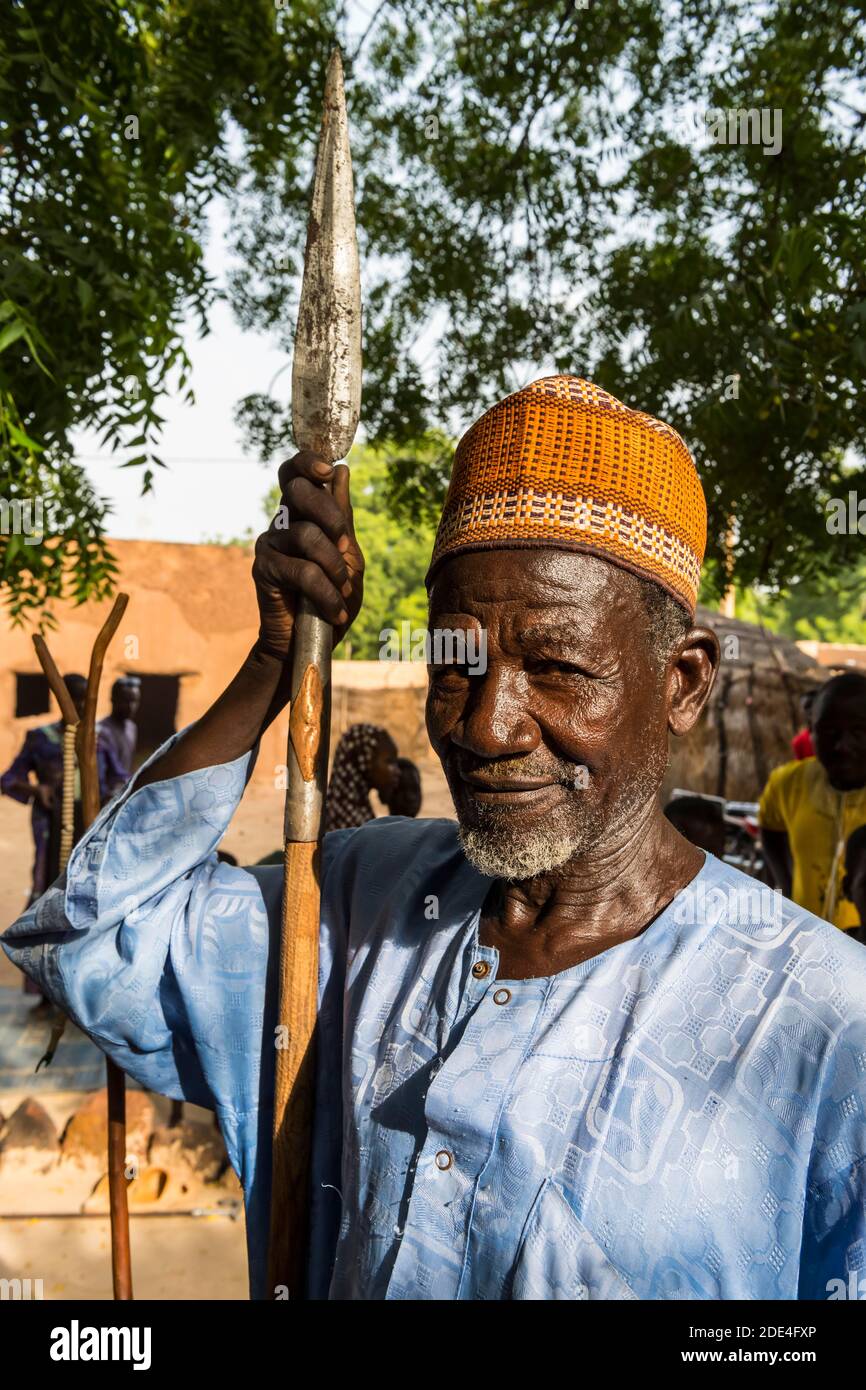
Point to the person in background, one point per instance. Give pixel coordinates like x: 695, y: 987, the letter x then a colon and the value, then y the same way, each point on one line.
x: 854, y: 882
x: 365, y: 761
x: 405, y: 800
x: 801, y: 744
x: 809, y: 808
x: 700, y: 821
x: 117, y: 736
x: 36, y: 777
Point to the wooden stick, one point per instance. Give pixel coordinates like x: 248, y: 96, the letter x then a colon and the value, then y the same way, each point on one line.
x: 56, y: 683
x: 69, y: 715
x: 86, y: 741
x: 326, y: 404
x: 294, y: 1089
x: 121, y: 1259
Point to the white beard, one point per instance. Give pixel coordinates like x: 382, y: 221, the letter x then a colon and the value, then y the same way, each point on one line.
x: 495, y: 854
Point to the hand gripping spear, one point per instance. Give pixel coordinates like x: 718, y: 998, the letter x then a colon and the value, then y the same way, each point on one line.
x: 326, y: 404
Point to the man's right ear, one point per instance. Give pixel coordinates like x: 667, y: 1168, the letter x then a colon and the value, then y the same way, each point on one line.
x: 694, y: 672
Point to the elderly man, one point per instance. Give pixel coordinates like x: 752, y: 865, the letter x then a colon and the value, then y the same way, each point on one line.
x: 562, y: 1053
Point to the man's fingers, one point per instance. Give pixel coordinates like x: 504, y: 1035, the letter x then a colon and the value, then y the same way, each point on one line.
x: 305, y: 464
x: 342, y: 496
x: 292, y: 574
x: 306, y: 502
x: 306, y: 541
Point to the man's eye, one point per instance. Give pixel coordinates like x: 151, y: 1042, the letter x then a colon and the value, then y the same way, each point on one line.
x: 554, y: 668
x: 449, y: 673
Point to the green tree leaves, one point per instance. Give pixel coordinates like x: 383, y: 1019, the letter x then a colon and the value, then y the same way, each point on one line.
x: 539, y: 190
x: 113, y: 140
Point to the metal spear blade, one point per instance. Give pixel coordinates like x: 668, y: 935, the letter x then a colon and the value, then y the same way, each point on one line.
x: 326, y: 371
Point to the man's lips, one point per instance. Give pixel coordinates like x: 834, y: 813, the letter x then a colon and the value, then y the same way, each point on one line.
x: 512, y: 789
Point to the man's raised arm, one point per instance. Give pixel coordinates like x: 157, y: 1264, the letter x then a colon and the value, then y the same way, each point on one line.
x: 309, y: 548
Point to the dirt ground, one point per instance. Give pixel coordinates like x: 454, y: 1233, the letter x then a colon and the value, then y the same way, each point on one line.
x: 173, y: 1258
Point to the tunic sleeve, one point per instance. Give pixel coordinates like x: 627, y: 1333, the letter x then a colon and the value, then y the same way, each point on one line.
x: 156, y: 949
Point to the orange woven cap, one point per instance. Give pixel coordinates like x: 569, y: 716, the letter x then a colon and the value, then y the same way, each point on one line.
x: 563, y: 465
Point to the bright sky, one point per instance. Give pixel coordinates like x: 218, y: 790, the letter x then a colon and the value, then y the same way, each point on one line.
x: 210, y: 488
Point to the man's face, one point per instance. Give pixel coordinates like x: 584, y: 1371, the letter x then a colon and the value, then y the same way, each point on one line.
x: 563, y: 741
x: 77, y: 687
x: 384, y: 768
x: 405, y: 800
x: 839, y: 735
x: 126, y: 701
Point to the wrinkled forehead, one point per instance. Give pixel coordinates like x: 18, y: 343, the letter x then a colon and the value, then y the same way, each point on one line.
x: 531, y: 581
x: 556, y: 605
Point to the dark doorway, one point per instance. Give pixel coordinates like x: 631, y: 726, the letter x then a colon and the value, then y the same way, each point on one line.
x: 157, y: 713
x: 31, y: 695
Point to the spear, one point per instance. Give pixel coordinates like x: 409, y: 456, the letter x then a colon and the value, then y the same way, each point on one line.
x: 326, y: 405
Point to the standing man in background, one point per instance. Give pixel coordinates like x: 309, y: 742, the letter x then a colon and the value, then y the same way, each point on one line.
x: 117, y: 736
x: 809, y: 808
x: 35, y: 777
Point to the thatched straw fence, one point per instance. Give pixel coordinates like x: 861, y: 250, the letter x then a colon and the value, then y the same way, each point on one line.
x: 753, y: 712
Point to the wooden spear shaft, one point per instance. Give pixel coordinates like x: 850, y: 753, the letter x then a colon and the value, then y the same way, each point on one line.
x: 326, y: 404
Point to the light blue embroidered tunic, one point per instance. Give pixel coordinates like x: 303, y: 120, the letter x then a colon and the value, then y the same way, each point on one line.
x: 684, y: 1116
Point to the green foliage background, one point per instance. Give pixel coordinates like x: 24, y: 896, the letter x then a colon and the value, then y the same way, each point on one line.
x: 525, y: 204
x: 113, y: 141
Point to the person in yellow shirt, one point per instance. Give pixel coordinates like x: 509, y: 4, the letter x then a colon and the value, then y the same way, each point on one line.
x: 808, y: 809
x: 854, y: 882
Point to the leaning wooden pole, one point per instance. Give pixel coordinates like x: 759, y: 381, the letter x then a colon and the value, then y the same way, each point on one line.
x: 326, y: 404
x: 69, y: 716
x: 121, y: 1260
x: 79, y: 736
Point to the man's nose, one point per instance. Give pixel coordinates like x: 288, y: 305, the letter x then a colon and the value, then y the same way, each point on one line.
x: 497, y: 720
